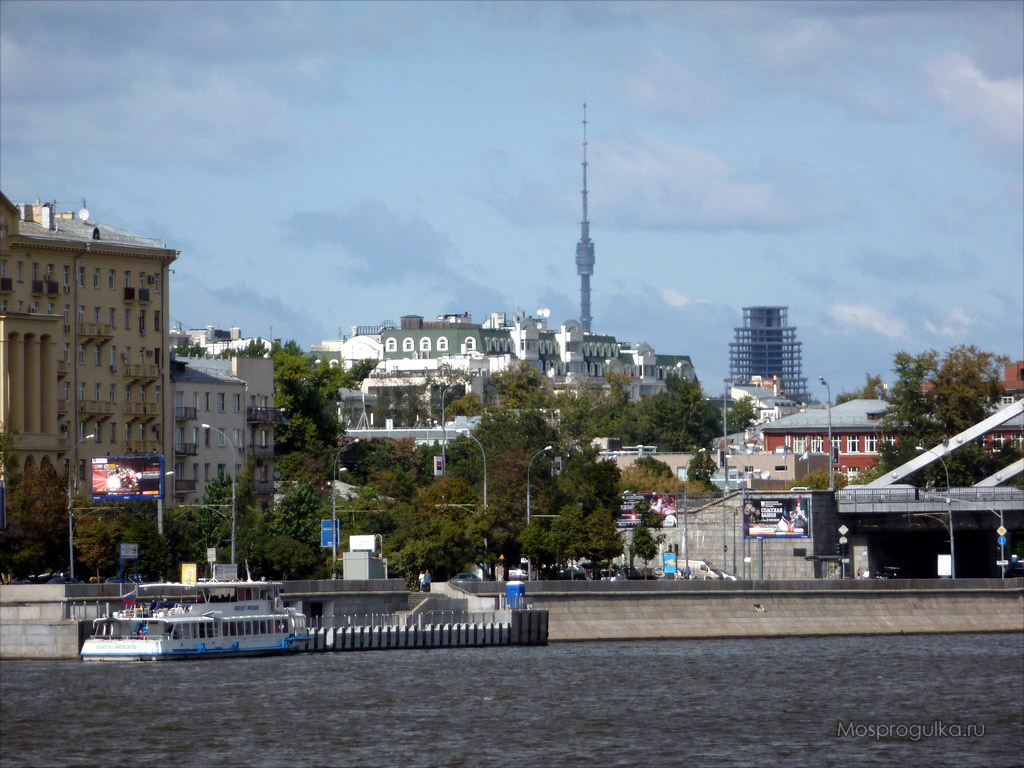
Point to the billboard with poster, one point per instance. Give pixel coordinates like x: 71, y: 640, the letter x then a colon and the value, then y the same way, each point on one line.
x: 663, y: 505
x: 117, y: 478
x: 775, y: 518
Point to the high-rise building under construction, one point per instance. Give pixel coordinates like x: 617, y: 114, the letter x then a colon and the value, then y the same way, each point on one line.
x: 766, y: 347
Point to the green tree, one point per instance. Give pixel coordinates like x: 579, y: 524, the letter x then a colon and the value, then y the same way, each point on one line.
x: 741, y: 414
x: 873, y: 389
x: 522, y: 387
x: 701, y: 468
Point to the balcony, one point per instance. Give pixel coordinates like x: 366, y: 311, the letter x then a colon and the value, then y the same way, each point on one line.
x: 143, y: 294
x: 142, y: 410
x: 62, y: 407
x: 186, y: 449
x: 129, y: 294
x: 184, y: 486
x: 263, y: 487
x: 37, y: 287
x: 262, y: 451
x: 144, y: 446
x: 63, y: 369
x: 95, y: 408
x: 141, y: 371
x: 95, y: 331
x: 264, y: 415
x: 184, y: 412
x: 6, y: 283
x: 52, y: 288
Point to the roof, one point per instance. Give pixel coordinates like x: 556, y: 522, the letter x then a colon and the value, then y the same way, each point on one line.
x: 184, y: 371
x: 864, y: 414
x: 76, y: 230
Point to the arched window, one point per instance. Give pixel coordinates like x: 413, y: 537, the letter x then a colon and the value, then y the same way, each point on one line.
x: 407, y: 345
x: 425, y: 344
x: 392, y: 345
x: 442, y: 344
x: 470, y: 344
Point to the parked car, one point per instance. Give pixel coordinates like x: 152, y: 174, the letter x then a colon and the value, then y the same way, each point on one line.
x: 464, y: 577
x: 132, y: 578
x: 723, y: 574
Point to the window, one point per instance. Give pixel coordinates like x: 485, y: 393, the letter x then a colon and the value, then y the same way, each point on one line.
x: 127, y: 279
x: 99, y: 392
x: 127, y: 393
x: 113, y: 431
x: 237, y: 401
x: 113, y: 395
x: 99, y: 354
x: 853, y: 443
x: 112, y: 279
x: 67, y: 312
x: 817, y: 444
x: 407, y: 345
x: 142, y: 320
x: 799, y: 444
x: 67, y: 276
x: 81, y: 277
x: 96, y: 277
x: 206, y: 440
x: 127, y: 431
x: 220, y: 402
x: 156, y: 320
x: 998, y: 441
x: 81, y: 390
x: 470, y: 344
x: 442, y: 344
x: 81, y: 354
x: 207, y: 395
x: 67, y: 391
x: 221, y: 468
x: 391, y: 345
x: 67, y: 351
x: 220, y: 438
x: 425, y: 344
x: 50, y: 309
x: 156, y: 283
x: 156, y: 394
x: 142, y: 393
x: 263, y: 438
x: 127, y: 319
x: 871, y: 444
x: 238, y: 437
x: 81, y: 313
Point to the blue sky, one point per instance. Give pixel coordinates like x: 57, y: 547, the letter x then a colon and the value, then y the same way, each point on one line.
x: 324, y: 165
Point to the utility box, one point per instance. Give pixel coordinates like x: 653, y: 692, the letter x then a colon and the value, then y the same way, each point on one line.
x: 361, y: 565
x: 515, y: 594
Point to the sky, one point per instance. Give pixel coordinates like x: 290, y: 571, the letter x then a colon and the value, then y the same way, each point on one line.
x: 326, y: 165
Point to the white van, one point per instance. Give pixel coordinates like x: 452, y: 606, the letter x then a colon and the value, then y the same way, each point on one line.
x: 698, y: 569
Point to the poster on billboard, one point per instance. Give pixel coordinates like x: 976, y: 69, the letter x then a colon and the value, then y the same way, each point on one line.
x: 776, y: 518
x: 663, y: 505
x: 117, y: 478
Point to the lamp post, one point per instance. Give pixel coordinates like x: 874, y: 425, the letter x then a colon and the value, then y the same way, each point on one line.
x: 334, y: 510
x: 545, y: 449
x: 160, y: 504
x: 949, y: 509
x: 233, y: 486
x: 828, y: 389
x: 483, y: 455
x: 725, y: 438
x: 444, y: 431
x: 71, y: 519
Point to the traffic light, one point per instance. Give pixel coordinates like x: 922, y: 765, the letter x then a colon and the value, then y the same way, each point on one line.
x: 558, y: 465
x: 438, y: 465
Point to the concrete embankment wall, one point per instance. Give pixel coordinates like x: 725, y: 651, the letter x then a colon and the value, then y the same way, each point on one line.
x: 620, y: 610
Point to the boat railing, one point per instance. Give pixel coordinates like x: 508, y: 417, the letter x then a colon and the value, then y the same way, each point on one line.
x: 407, y: 620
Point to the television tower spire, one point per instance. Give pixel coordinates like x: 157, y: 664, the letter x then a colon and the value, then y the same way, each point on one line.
x: 585, y: 247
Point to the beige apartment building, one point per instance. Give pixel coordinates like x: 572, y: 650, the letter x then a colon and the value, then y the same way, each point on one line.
x: 83, y: 338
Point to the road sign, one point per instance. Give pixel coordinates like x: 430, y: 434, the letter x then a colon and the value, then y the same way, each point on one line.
x: 327, y: 538
x: 843, y: 530
x: 1001, y: 531
x: 843, y: 540
x: 211, y: 554
x: 725, y: 548
x: 1002, y: 562
x: 1001, y: 540
x: 130, y: 551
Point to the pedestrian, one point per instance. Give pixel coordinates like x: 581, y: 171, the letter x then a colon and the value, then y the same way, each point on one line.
x: 426, y: 581
x: 421, y: 579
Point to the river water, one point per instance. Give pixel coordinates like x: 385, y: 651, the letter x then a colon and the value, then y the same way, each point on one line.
x: 926, y: 700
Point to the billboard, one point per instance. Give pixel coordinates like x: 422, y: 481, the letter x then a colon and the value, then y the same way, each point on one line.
x: 776, y: 518
x: 661, y: 504
x: 116, y: 478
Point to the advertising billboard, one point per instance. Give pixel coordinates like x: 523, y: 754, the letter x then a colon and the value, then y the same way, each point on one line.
x: 661, y: 504
x: 776, y: 518
x: 117, y: 478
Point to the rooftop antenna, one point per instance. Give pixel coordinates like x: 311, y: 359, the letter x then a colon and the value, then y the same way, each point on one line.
x: 585, y: 247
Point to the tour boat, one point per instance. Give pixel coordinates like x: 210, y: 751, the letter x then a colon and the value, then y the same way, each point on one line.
x: 210, y: 619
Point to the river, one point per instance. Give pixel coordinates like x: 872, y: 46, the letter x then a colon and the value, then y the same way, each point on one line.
x: 925, y: 700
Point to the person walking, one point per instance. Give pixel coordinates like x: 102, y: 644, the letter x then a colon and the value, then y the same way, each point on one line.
x: 421, y: 578
x: 426, y: 581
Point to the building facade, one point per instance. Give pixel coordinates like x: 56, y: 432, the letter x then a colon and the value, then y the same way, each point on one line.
x: 83, y: 338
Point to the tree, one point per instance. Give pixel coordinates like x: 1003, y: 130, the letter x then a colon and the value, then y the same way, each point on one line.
x: 190, y: 349
x: 701, y: 468
x: 522, y: 386
x: 741, y: 414
x: 873, y: 389
x: 253, y: 348
x: 645, y: 544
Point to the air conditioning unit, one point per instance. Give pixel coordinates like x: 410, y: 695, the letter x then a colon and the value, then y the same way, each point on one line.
x: 152, y: 278
x: 142, y: 331
x: 149, y: 353
x: 124, y: 355
x: 113, y: 367
x: 67, y: 288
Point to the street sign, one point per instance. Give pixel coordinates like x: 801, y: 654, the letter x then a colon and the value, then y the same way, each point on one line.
x: 843, y: 540
x: 1001, y: 531
x: 725, y: 548
x: 843, y: 530
x: 1001, y: 540
x: 211, y: 554
x: 1002, y: 562
x: 326, y: 536
x: 129, y: 551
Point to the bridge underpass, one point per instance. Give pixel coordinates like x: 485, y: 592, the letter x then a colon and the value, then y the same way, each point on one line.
x: 905, y: 529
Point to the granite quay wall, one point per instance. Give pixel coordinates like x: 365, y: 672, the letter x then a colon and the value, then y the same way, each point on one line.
x: 708, y: 609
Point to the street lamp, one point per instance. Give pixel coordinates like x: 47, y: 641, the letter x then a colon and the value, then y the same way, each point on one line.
x: 334, y: 510
x: 949, y: 510
x: 828, y: 389
x: 444, y: 431
x: 71, y: 520
x: 160, y: 505
x: 545, y: 449
x: 233, y: 485
x: 483, y: 455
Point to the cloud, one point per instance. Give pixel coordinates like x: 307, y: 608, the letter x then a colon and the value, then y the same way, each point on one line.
x: 677, y: 299
x: 855, y: 317
x: 664, y: 88
x: 650, y: 183
x: 955, y: 325
x: 992, y: 106
x: 799, y: 45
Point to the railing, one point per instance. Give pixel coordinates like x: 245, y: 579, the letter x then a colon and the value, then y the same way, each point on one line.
x: 141, y: 371
x: 143, y: 446
x: 264, y: 415
x: 95, y: 330
x: 96, y: 407
x: 184, y: 486
x: 63, y: 368
x: 262, y: 451
x: 407, y: 619
x: 186, y: 449
x: 263, y: 486
x: 184, y: 412
x: 142, y: 409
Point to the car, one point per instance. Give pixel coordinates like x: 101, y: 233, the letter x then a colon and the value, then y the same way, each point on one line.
x: 1015, y: 570
x: 723, y: 575
x: 132, y: 578
x: 464, y: 577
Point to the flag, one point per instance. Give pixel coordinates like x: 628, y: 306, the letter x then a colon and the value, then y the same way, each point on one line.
x: 129, y: 599
x: 806, y: 455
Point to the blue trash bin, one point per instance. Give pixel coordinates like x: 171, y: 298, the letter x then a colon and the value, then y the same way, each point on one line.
x: 515, y: 594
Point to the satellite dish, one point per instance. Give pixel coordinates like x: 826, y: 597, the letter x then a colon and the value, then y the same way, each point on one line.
x: 765, y: 474
x: 84, y: 214
x: 544, y: 312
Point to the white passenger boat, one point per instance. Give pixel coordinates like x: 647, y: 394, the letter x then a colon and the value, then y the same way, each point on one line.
x: 197, y: 621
